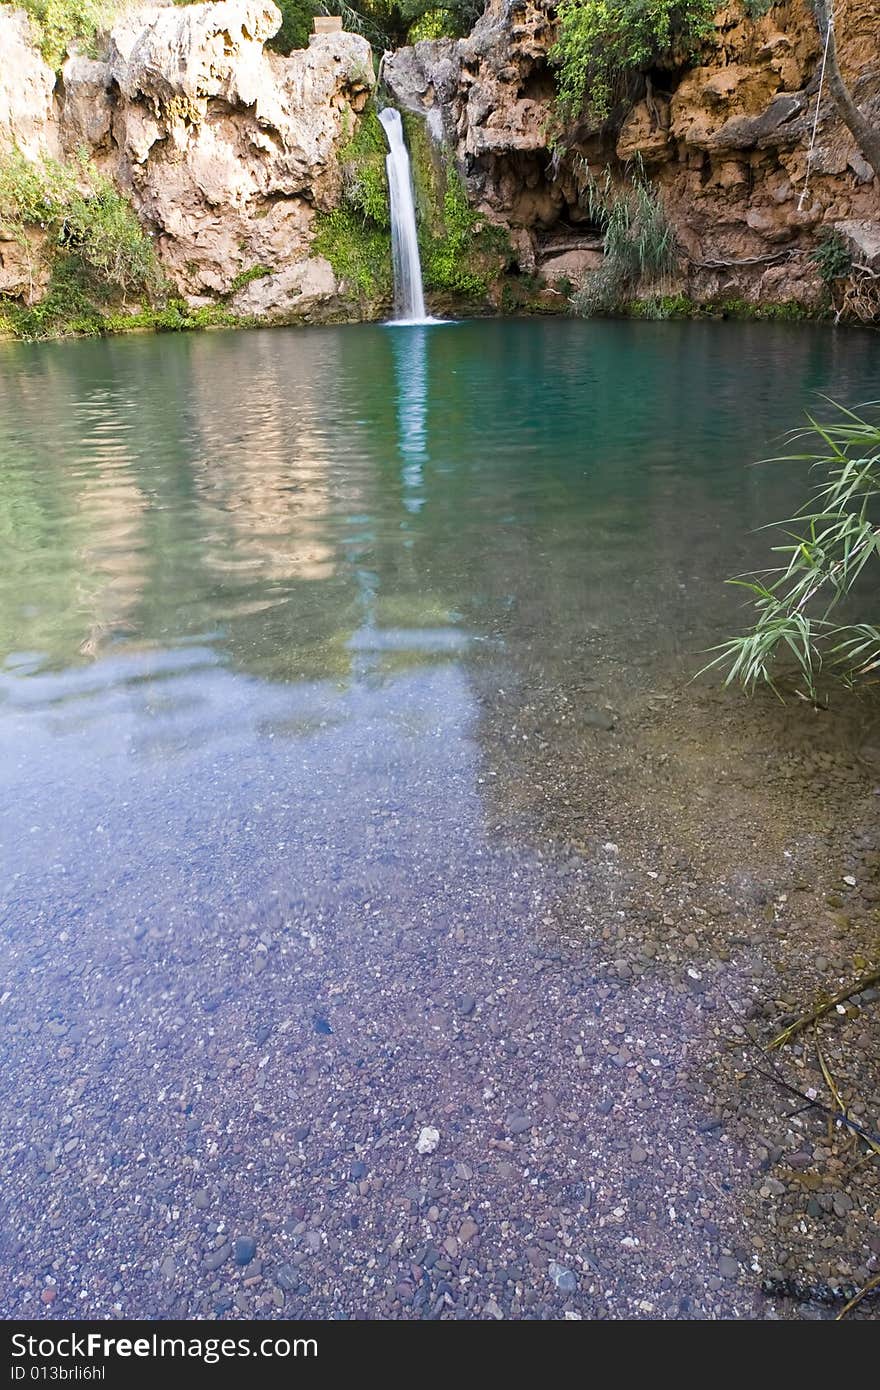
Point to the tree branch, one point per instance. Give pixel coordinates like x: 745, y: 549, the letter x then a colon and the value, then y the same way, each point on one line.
x: 866, y: 135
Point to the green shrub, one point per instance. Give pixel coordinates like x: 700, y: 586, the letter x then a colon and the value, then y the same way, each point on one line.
x: 603, y: 42
x: 97, y: 248
x: 829, y: 547
x: 87, y: 219
x: 296, y: 24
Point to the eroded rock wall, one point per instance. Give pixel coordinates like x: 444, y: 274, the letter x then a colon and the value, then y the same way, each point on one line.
x: 227, y: 151
x: 726, y: 142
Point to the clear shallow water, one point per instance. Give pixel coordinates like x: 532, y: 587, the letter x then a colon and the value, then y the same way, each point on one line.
x: 271, y: 607
x: 249, y: 576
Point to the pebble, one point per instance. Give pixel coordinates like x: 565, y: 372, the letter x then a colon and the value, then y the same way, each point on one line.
x: 517, y: 1124
x: 428, y: 1140
x: 565, y: 1279
x: 245, y: 1250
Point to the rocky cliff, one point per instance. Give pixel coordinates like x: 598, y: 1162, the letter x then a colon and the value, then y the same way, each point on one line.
x: 227, y: 152
x: 726, y: 143
x: 259, y: 179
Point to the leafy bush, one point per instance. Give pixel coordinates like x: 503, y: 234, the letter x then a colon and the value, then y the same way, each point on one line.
x: 603, y: 42
x: 639, y: 243
x: 830, y: 542
x: 97, y: 247
x: 296, y: 24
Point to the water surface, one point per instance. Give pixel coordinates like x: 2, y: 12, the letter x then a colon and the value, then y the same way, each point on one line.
x: 302, y: 633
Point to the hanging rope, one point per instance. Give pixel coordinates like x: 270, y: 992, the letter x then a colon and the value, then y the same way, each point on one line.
x: 818, y: 106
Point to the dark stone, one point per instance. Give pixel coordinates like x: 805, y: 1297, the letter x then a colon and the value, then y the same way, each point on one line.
x: 245, y: 1249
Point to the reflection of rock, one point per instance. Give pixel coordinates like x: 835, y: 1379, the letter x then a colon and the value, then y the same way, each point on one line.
x: 726, y: 141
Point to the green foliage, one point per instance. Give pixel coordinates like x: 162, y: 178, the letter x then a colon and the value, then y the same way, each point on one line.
x: 756, y: 9
x: 435, y: 24
x: 247, y: 277
x: 97, y: 248
x: 426, y: 19
x: 461, y: 252
x: 829, y: 545
x: 60, y: 24
x: 358, y: 251
x: 663, y: 306
x: 832, y: 257
x: 68, y: 311
x: 296, y: 24
x: 639, y: 243
x: 355, y: 238
x: 365, y: 182
x: 602, y: 43
x: 450, y: 259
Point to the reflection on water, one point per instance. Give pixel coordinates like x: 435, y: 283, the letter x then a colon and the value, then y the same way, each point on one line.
x: 410, y: 354
x: 210, y: 543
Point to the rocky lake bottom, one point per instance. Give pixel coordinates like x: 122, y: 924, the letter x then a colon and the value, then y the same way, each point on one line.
x: 391, y: 924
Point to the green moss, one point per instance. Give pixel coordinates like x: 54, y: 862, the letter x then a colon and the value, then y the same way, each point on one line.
x: 664, y: 306
x: 356, y: 237
x: 247, y: 277
x: 788, y: 311
x: 680, y: 306
x: 462, y: 254
x: 363, y: 170
x: 359, y: 252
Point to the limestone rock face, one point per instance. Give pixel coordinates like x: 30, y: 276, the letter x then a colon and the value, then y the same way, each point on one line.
x: 226, y: 150
x: 27, y: 89
x: 726, y: 142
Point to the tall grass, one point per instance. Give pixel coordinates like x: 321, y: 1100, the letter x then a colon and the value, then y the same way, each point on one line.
x: 638, y: 240
x: 831, y: 545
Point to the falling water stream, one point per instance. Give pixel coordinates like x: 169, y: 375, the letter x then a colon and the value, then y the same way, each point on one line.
x: 409, y: 298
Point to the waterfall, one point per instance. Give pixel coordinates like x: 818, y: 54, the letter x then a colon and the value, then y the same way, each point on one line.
x: 409, y: 298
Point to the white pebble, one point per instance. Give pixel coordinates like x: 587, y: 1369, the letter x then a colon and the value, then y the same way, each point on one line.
x: 428, y: 1140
